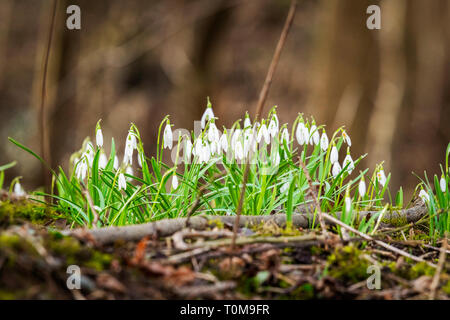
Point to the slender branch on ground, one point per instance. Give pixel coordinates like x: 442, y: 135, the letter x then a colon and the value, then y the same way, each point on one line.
x: 262, y: 99
x: 435, y: 283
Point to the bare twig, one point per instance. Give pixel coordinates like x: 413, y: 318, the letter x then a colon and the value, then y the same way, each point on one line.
x: 262, y: 99
x: 437, y: 274
x: 91, y: 205
x: 45, y: 146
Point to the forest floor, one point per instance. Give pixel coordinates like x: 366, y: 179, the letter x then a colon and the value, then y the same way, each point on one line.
x: 268, y: 262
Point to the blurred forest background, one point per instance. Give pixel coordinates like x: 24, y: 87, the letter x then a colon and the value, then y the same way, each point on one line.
x: 138, y: 60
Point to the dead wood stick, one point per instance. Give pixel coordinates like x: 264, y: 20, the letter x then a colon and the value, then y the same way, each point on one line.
x: 168, y: 227
x: 437, y: 274
x: 261, y: 100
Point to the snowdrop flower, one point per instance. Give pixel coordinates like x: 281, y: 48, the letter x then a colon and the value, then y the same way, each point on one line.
x: 263, y: 133
x: 18, y: 190
x: 336, y: 169
x: 285, y: 187
x: 348, y: 160
x: 130, y: 145
x: 362, y: 187
x: 236, y: 136
x: 285, y: 135
x: 334, y: 155
x: 99, y: 136
x: 187, y: 150
x: 443, y: 184
x: 129, y: 170
x: 324, y: 141
x: 167, y: 136
x: 102, y: 161
x: 224, y: 141
x: 314, y: 136
x: 381, y: 177
x: 122, y: 183
x: 89, y: 153
x: 140, y: 158
x: 346, y: 138
x: 116, y: 162
x: 247, y: 122
x: 205, y: 152
x: 348, y: 204
x: 238, y: 151
x: 174, y: 181
x: 424, y: 196
x: 207, y: 115
x: 301, y: 134
x: 276, y: 159
x: 273, y: 127
x: 213, y: 132
x: 81, y: 169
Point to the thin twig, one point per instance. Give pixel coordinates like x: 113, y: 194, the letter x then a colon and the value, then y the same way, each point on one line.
x: 262, y: 99
x: 45, y: 146
x: 91, y: 205
x: 437, y: 274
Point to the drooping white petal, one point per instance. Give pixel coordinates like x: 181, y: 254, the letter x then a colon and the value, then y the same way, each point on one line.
x: 314, y: 136
x: 174, y: 182
x: 443, y: 184
x: 285, y: 136
x: 381, y: 177
x: 207, y: 115
x: 168, y: 137
x: 324, y: 141
x: 276, y: 159
x: 116, y: 162
x: 102, y: 161
x: 334, y: 155
x: 285, y: 187
x: 362, y: 188
x: 187, y: 150
x: 300, y: 133
x: 224, y: 142
x: 336, y: 169
x: 122, y: 183
x: 247, y: 122
x: 347, y: 138
x: 99, y: 138
x: 18, y: 190
x: 424, y: 196
x: 238, y: 151
x: 273, y: 128
x: 348, y: 204
x: 351, y: 165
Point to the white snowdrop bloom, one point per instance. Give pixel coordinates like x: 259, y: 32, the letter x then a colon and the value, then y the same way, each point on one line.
x: 207, y: 115
x: 18, y: 190
x: 102, y: 161
x: 285, y: 135
x: 247, y: 122
x: 236, y: 137
x: 213, y: 148
x: 224, y: 142
x: 348, y: 204
x: 424, y: 196
x: 336, y: 169
x: 238, y: 151
x: 347, y: 138
x: 168, y: 137
x: 324, y: 141
x: 187, y: 150
x: 90, y: 153
x: 213, y: 132
x: 285, y: 187
x: 273, y: 127
x: 122, y: 183
x: 301, y: 133
x: 334, y: 155
x: 99, y: 137
x: 205, y: 152
x: 263, y: 133
x: 81, y: 169
x: 276, y: 159
x: 130, y: 145
x: 314, y: 136
x: 139, y: 158
x: 362, y: 187
x: 174, y: 181
x: 443, y: 184
x: 116, y: 162
x: 381, y: 177
x: 129, y: 170
x: 348, y: 160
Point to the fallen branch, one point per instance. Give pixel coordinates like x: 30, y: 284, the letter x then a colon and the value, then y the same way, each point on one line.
x: 168, y: 227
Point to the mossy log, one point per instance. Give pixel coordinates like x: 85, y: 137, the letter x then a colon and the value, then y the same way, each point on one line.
x: 167, y: 227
